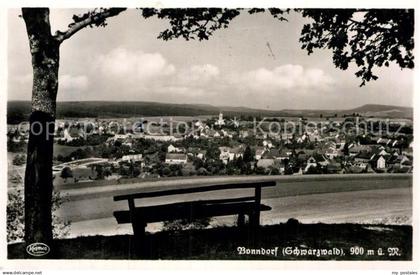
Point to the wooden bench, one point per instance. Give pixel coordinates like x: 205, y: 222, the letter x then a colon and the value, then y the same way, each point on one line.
x: 140, y: 216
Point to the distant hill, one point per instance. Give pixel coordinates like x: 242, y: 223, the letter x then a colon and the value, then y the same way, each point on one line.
x: 384, y: 110
x: 18, y: 111
x: 368, y: 110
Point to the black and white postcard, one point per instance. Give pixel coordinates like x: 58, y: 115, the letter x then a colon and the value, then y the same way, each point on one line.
x: 283, y: 134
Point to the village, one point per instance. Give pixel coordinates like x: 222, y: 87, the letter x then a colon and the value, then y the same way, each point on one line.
x: 226, y: 146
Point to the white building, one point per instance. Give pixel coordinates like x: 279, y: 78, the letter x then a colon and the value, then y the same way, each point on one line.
x: 381, y: 163
x: 220, y: 121
x: 173, y: 149
x: 162, y: 137
x: 176, y: 158
x: 268, y: 144
x: 228, y: 154
x: 137, y: 157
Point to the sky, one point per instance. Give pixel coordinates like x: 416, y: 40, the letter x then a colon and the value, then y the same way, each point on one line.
x: 257, y: 62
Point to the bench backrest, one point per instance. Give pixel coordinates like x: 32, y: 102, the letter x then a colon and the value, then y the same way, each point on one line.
x: 206, y: 188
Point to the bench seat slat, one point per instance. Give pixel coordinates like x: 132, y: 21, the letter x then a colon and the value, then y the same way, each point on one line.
x: 204, y: 188
x: 187, y: 210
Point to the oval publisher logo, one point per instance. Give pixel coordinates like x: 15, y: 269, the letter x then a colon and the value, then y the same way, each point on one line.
x: 38, y: 249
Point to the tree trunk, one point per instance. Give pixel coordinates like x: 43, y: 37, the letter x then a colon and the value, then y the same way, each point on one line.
x: 38, y: 176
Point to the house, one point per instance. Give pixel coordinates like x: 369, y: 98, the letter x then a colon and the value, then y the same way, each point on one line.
x: 259, y: 151
x: 311, y: 162
x: 228, y: 154
x: 340, y: 138
x: 286, y: 136
x: 162, y: 137
x: 363, y: 157
x: 197, y: 152
x: 71, y: 133
x: 315, y: 160
x: 227, y: 134
x: 381, y: 163
x: 261, y: 136
x: 302, y: 139
x: 173, y: 149
x: 224, y: 154
x: 361, y: 165
x: 199, y: 125
x: 333, y: 152
x: 132, y: 158
x: 237, y: 152
x: 383, y: 153
x: 399, y: 164
x: 401, y: 169
x: 175, y: 158
x: 384, y: 141
x: 201, y: 154
x: 395, y: 143
x: 216, y: 134
x: 267, y: 144
x: 120, y: 137
x: 314, y: 136
x: 405, y: 161
x: 355, y: 149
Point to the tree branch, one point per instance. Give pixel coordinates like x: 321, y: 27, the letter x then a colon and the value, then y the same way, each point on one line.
x: 95, y: 18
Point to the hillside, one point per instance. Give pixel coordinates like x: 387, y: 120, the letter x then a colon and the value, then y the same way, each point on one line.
x: 384, y: 110
x: 19, y: 110
x: 222, y: 243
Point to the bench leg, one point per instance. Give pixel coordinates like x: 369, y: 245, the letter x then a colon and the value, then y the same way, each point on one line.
x: 254, y: 219
x: 140, y: 245
x: 254, y: 226
x: 241, y: 220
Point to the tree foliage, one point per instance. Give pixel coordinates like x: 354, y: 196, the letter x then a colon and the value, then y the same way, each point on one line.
x: 199, y: 23
x: 369, y: 38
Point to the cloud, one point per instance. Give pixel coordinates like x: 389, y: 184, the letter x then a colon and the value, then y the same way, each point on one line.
x: 190, y: 82
x: 73, y: 83
x: 198, y: 74
x: 134, y: 65
x: 283, y: 77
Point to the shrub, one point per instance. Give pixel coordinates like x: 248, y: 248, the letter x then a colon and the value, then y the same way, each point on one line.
x: 66, y: 173
x: 16, y: 218
x: 19, y: 159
